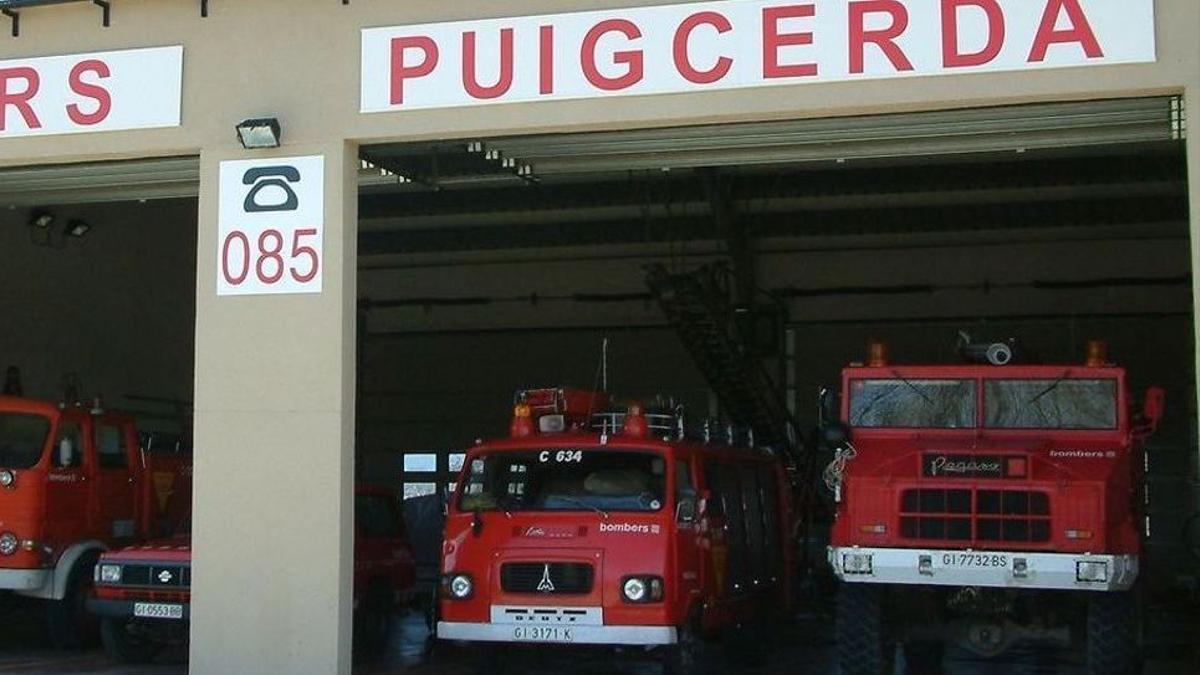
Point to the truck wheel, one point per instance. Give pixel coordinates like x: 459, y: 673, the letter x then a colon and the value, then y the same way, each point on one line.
x: 687, y: 655
x: 125, y: 643
x: 862, y: 635
x: 71, y: 625
x: 1112, y: 634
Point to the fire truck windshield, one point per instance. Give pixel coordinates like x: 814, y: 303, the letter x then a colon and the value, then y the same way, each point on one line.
x: 1050, y: 404
x: 22, y: 439
x: 565, y: 480
x: 903, y: 403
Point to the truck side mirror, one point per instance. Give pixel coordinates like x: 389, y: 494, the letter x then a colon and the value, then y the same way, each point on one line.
x: 1154, y: 405
x: 66, y: 452
x: 828, y: 404
x: 687, y: 509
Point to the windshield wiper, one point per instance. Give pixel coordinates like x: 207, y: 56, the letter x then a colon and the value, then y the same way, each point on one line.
x: 580, y: 502
x: 1052, y: 387
x: 912, y: 386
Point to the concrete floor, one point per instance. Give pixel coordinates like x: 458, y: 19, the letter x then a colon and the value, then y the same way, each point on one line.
x: 24, y: 649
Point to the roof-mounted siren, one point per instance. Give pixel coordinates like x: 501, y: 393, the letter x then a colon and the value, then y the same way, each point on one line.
x: 555, y: 409
x: 994, y: 353
x: 634, y: 424
x: 1097, y: 354
x: 522, y: 421
x: 877, y: 354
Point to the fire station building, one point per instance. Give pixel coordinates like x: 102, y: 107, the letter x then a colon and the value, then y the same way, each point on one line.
x: 340, y: 234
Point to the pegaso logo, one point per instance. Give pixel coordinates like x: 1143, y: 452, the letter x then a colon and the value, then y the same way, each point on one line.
x: 165, y: 576
x: 943, y: 465
x: 545, y: 585
x: 629, y: 528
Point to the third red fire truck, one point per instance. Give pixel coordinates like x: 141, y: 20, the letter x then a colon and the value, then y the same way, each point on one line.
x: 987, y: 502
x: 614, y: 529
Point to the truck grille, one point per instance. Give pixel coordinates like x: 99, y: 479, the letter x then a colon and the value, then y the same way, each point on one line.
x: 564, y: 578
x: 979, y: 515
x: 164, y: 576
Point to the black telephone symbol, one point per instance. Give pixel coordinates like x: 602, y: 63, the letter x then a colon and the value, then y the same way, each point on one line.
x: 271, y: 176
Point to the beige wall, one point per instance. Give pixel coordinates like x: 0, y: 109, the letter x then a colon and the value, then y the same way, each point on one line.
x: 273, y: 375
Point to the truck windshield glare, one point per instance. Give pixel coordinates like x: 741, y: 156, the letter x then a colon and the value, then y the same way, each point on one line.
x: 22, y: 438
x: 902, y: 403
x: 1050, y: 404
x: 565, y: 480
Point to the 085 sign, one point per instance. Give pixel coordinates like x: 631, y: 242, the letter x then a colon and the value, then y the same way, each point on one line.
x: 271, y: 233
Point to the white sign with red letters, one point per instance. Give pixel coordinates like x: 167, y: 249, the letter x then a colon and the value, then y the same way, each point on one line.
x: 271, y: 227
x: 739, y: 43
x: 103, y: 91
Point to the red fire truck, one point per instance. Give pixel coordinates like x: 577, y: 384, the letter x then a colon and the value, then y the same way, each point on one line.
x: 75, y: 481
x: 613, y: 529
x: 986, y: 503
x: 143, y: 592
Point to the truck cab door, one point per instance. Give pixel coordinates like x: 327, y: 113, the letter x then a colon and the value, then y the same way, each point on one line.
x: 67, y: 486
x: 115, y: 486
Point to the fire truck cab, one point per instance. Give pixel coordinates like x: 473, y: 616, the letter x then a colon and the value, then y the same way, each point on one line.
x: 74, y: 481
x: 613, y: 529
x: 984, y: 503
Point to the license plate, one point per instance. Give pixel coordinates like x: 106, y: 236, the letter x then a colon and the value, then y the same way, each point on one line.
x: 987, y: 560
x: 157, y: 610
x: 543, y: 634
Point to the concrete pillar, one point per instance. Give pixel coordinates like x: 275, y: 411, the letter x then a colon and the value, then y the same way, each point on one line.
x: 273, y: 506
x: 1192, y: 111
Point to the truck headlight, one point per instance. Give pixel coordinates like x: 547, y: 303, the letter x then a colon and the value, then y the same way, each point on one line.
x: 1095, y: 571
x: 7, y: 478
x: 110, y: 574
x: 8, y: 543
x: 857, y: 563
x: 459, y: 586
x: 642, y: 589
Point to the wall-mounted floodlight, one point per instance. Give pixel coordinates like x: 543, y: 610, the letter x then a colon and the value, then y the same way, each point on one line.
x: 259, y: 133
x: 78, y: 228
x: 41, y: 219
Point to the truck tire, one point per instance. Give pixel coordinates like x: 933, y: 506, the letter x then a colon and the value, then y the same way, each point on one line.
x: 1113, y: 641
x: 123, y: 642
x: 71, y: 625
x: 687, y: 655
x: 863, y: 645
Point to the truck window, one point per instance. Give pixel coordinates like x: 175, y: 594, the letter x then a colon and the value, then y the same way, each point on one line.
x: 728, y: 491
x: 69, y: 445
x: 903, y: 403
x: 565, y: 480
x: 22, y: 439
x: 770, y: 510
x: 1050, y: 404
x: 754, y: 521
x: 110, y: 447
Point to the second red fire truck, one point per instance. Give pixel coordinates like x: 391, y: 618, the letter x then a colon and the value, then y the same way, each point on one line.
x: 614, y: 529
x: 986, y: 502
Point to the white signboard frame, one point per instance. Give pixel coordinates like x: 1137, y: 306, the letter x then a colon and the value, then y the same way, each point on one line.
x: 271, y: 226
x: 736, y: 44
x: 91, y: 92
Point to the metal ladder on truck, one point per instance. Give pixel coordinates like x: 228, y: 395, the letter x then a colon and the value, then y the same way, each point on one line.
x: 719, y: 335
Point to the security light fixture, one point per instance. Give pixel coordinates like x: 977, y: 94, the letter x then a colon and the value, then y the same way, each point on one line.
x: 259, y: 133
x: 78, y: 228
x: 41, y: 219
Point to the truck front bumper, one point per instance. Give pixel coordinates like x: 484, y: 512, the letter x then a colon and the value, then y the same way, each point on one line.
x: 582, y: 635
x: 993, y: 569
x: 24, y: 580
